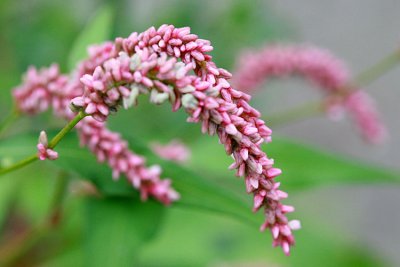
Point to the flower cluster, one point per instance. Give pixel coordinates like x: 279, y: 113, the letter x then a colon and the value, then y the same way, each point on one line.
x: 172, y: 65
x: 110, y: 147
x: 40, y: 90
x: 321, y: 68
x: 48, y: 88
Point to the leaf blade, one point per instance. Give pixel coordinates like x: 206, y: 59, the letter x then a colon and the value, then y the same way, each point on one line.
x: 97, y: 30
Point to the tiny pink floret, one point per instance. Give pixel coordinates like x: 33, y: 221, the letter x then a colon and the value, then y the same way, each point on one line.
x: 43, y: 151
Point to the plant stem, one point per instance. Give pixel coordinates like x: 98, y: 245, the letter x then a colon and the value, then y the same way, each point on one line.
x: 19, y: 164
x: 8, y: 120
x: 364, y: 78
x: 297, y: 113
x: 67, y: 129
x: 52, y: 144
x: 377, y: 70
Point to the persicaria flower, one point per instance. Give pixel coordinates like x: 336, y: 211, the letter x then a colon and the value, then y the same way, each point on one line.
x: 171, y: 64
x: 44, y: 151
x: 322, y: 69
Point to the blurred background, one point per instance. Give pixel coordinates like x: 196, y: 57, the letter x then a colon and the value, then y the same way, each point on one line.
x: 347, y: 225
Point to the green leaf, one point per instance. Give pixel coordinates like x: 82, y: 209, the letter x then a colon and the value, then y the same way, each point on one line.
x: 218, y: 241
x: 202, y: 192
x: 303, y: 166
x: 97, y: 30
x: 196, y: 191
x: 117, y: 228
x: 7, y: 191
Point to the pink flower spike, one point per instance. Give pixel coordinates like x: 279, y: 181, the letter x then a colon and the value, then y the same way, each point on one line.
x: 195, y: 84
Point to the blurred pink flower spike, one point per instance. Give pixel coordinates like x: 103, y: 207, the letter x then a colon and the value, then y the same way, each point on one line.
x: 43, y: 151
x: 322, y: 69
x: 41, y: 90
x: 174, y: 151
x: 362, y: 108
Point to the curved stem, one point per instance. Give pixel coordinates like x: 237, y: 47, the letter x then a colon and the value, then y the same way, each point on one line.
x: 52, y: 144
x: 67, y: 129
x: 9, y: 120
x: 19, y: 164
x: 364, y: 78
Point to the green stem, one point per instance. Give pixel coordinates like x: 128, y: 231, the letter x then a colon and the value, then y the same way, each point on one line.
x: 19, y: 164
x: 52, y: 144
x: 377, y: 70
x: 9, y: 120
x: 294, y: 114
x: 66, y: 129
x: 362, y: 79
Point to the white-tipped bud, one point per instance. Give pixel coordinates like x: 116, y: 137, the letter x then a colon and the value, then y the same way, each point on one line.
x: 135, y: 62
x: 294, y: 224
x: 180, y: 70
x: 158, y: 98
x: 189, y: 101
x: 76, y: 104
x: 129, y: 101
x: 43, y: 138
x: 187, y: 89
x: 213, y: 91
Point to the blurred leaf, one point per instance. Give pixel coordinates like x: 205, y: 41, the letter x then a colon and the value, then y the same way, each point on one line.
x: 230, y: 27
x: 33, y: 184
x: 196, y: 191
x: 303, y: 166
x: 116, y: 229
x: 219, y: 241
x: 203, y: 193
x: 156, y: 124
x: 97, y: 30
x: 48, y: 28
x: 7, y: 191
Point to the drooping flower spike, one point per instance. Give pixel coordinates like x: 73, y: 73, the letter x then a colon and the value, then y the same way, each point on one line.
x: 172, y: 65
x: 321, y: 68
